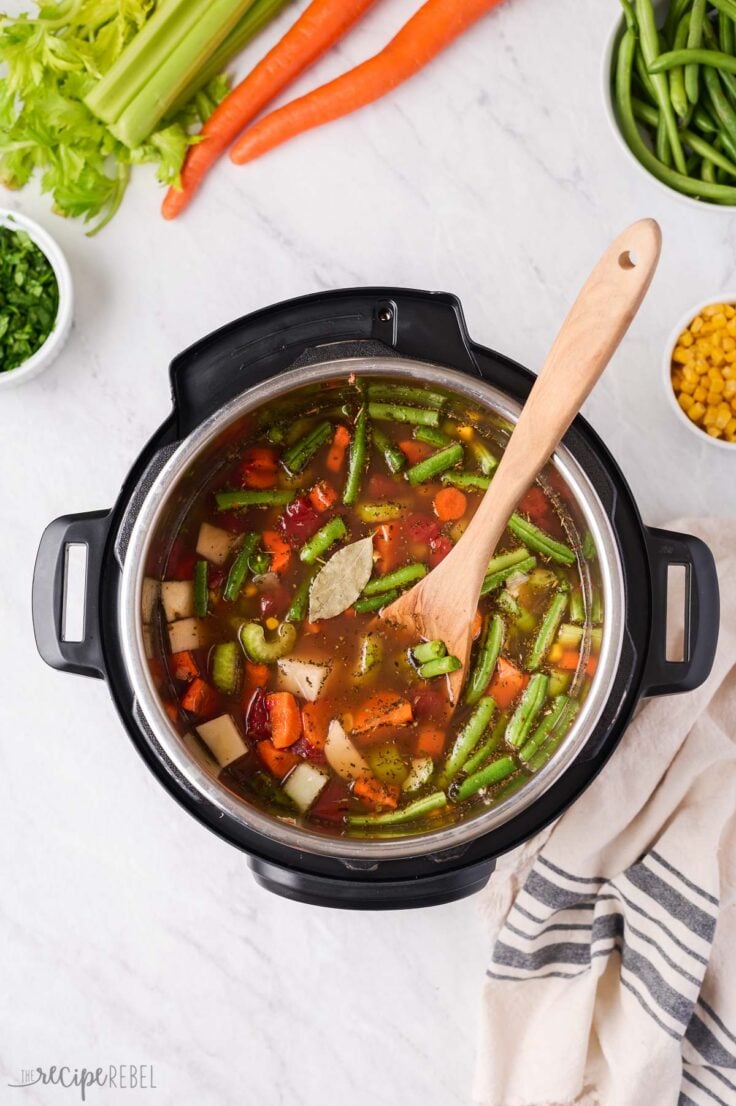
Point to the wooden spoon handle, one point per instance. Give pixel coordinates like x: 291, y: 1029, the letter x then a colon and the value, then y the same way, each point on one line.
x: 590, y: 335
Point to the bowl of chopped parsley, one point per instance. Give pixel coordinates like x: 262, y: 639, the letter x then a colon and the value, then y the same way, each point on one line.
x: 35, y: 299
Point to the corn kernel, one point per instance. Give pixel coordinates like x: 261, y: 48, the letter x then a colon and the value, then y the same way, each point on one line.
x: 465, y: 433
x: 713, y: 431
x: 697, y: 325
x: 731, y: 427
x: 722, y: 419
x: 696, y: 412
x: 717, y: 357
x: 251, y: 590
x: 681, y: 355
x: 272, y: 623
x: 689, y: 387
x: 699, y: 393
x: 729, y: 388
x: 689, y: 373
x: 702, y: 344
x: 712, y: 399
x: 704, y: 370
x: 686, y: 339
x: 685, y: 401
x: 700, y: 366
x: 717, y: 383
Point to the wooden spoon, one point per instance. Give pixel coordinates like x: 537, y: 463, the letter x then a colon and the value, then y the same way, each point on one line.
x: 443, y: 604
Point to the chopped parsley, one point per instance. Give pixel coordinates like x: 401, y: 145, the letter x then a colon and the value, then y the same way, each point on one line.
x: 29, y: 298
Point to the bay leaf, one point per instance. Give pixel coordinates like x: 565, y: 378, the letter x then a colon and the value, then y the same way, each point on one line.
x: 340, y: 582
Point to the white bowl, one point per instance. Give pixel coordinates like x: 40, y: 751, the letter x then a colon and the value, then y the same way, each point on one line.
x: 667, y: 370
x: 53, y: 345
x: 610, y: 111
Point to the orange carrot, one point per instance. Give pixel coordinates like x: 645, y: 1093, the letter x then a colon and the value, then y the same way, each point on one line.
x: 430, y: 742
x: 415, y: 451
x: 428, y: 32
x: 507, y: 684
x: 338, y: 449
x: 259, y: 468
x: 450, y: 504
x: 477, y: 624
x: 278, y: 761
x: 200, y: 698
x: 279, y: 549
x: 172, y: 711
x: 570, y: 660
x: 386, y: 543
x: 311, y: 627
x: 184, y: 666
x: 377, y: 795
x: 323, y: 496
x: 256, y: 675
x: 320, y: 26
x: 316, y: 718
x: 286, y: 719
x: 385, y: 708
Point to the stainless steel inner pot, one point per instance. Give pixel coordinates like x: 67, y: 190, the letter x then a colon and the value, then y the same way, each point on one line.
x: 194, y: 766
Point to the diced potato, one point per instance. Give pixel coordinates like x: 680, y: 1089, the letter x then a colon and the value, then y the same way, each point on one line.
x: 177, y: 597
x: 302, y: 678
x: 222, y: 737
x: 187, y: 633
x: 149, y: 597
x: 304, y: 785
x: 147, y: 642
x: 343, y: 756
x: 199, y: 753
x: 215, y: 544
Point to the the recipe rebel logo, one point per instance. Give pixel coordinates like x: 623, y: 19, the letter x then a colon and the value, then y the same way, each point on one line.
x: 116, y: 1077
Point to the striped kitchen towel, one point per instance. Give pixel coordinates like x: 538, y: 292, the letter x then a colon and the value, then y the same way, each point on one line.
x: 612, y: 979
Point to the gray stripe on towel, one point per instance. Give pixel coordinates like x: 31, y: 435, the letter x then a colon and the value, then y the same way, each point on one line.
x: 708, y: 1044
x: 696, y: 1083
x: 566, y: 875
x: 676, y: 905
x: 688, y: 883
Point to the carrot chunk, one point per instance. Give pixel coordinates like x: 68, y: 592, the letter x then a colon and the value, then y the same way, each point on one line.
x: 507, y: 684
x: 385, y: 708
x: 430, y: 742
x: 450, y: 504
x: 377, y: 795
x: 323, y: 496
x: 200, y: 698
x: 387, y: 546
x: 286, y: 719
x: 184, y: 666
x: 477, y: 624
x: 338, y: 449
x: 279, y: 549
x: 278, y: 761
x: 570, y: 659
x: 316, y: 718
x: 415, y: 451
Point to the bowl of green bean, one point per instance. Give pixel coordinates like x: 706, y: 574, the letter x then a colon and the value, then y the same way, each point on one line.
x: 669, y: 87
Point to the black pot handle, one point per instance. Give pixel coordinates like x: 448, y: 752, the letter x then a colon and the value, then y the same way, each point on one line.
x: 425, y: 326
x: 702, y: 613
x: 49, y: 590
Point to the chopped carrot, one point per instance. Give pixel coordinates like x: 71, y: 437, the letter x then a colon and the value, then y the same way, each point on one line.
x: 507, y: 684
x: 286, y: 719
x: 430, y: 742
x: 323, y: 496
x: 377, y: 795
x: 259, y: 467
x: 172, y: 711
x: 260, y: 479
x: 477, y: 625
x: 184, y: 666
x: 430, y: 30
x: 415, y: 451
x: 278, y: 761
x: 386, y: 544
x: 256, y: 675
x: 316, y: 718
x: 385, y: 708
x: 200, y: 698
x: 311, y: 627
x: 570, y: 659
x: 279, y: 548
x: 338, y: 449
x: 450, y: 504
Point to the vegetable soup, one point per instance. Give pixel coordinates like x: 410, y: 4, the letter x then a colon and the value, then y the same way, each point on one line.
x: 260, y: 613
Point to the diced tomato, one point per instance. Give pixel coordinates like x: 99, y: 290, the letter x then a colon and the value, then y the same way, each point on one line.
x: 257, y: 720
x: 279, y: 549
x: 323, y: 496
x: 535, y: 504
x: 299, y: 521
x: 381, y: 486
x: 201, y: 699
x: 428, y: 704
x: 332, y: 803
x: 181, y: 561
x: 234, y: 521
x: 422, y: 528
x: 438, y: 550
x: 304, y: 748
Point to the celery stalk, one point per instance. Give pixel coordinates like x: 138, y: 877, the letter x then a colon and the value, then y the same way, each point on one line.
x: 254, y: 20
x: 143, y: 56
x: 175, y: 74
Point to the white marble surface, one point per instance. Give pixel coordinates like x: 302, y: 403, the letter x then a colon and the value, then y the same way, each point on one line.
x: 127, y: 933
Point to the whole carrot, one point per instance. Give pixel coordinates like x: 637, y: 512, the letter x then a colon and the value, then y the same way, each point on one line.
x: 322, y: 24
x: 435, y: 26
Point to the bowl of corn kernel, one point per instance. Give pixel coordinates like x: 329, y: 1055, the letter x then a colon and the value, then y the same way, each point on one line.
x: 700, y: 371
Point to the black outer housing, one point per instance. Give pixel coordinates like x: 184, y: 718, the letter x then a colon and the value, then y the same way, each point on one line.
x: 429, y: 327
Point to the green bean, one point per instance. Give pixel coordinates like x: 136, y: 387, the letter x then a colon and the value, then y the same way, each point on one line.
x: 676, y: 11
x: 482, y: 753
x: 694, y: 40
x: 319, y: 543
x: 702, y: 148
x: 378, y: 512
x: 707, y: 170
x: 467, y: 739
x: 506, y: 560
x: 375, y: 602
x: 400, y: 578
x: 297, y: 457
x: 703, y: 121
x: 728, y: 7
x: 727, y: 78
x: 649, y: 40
x: 494, y: 580
x: 561, y: 730
x: 544, y: 729
x: 278, y: 497
x: 440, y: 667
x: 371, y: 654
x: 392, y: 455
x: 536, y: 539
x: 496, y: 771
x: 396, y: 412
x: 297, y: 611
x: 239, y: 569
x: 713, y: 59
x: 726, y: 33
x: 431, y: 436
x: 356, y: 462
x: 529, y: 707
x: 467, y: 481
x: 645, y: 78
x: 577, y: 606
x: 405, y: 393
x: 548, y: 630
x: 201, y: 593
x: 629, y: 14
x: 429, y: 651
x: 253, y: 640
x: 490, y: 647
x: 596, y: 608
x: 435, y: 464
x: 260, y: 562
x: 487, y: 463
x: 662, y: 143
x: 406, y: 814
x: 678, y: 93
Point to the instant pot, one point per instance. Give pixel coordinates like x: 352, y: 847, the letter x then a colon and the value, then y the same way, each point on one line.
x: 316, y: 340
